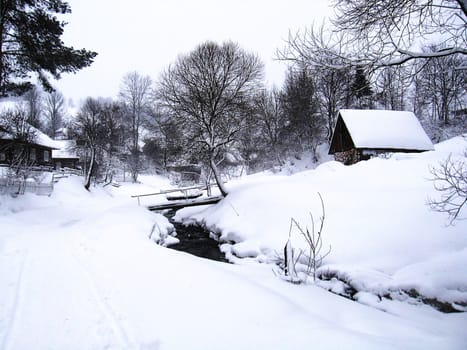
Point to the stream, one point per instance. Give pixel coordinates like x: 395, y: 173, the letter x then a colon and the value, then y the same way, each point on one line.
x: 195, y: 240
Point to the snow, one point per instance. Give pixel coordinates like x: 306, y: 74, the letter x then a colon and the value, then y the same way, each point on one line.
x: 382, y: 129
x: 82, y: 270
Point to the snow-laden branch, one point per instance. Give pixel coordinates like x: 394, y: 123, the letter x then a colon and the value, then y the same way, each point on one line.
x: 378, y: 34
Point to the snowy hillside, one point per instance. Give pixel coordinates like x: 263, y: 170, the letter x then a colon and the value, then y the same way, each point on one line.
x: 78, y: 270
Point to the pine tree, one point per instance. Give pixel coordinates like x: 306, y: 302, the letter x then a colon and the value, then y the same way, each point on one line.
x: 30, y: 43
x: 361, y: 89
x: 301, y: 107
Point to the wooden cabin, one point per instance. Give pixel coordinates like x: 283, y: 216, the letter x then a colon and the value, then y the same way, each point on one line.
x: 361, y: 134
x: 36, y: 150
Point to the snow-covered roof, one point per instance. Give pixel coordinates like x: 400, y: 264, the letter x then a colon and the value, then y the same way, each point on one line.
x: 382, y: 129
x: 66, y: 150
x: 40, y: 138
x: 44, y: 140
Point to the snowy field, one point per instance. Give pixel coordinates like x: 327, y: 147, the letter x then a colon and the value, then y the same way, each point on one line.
x: 78, y: 270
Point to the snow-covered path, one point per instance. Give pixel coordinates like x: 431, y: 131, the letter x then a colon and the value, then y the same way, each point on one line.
x: 85, y: 276
x: 49, y: 292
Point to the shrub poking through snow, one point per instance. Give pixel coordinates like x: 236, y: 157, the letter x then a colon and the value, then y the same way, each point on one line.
x: 299, y: 263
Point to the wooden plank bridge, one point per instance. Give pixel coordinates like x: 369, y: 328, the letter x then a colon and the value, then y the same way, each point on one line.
x: 185, y: 200
x: 185, y: 203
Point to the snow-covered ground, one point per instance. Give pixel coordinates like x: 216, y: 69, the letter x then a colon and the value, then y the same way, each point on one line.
x: 383, y: 236
x: 78, y: 270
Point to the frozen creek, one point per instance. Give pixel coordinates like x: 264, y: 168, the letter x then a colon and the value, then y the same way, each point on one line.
x: 195, y: 240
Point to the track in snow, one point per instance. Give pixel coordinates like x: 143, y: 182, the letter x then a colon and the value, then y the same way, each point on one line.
x: 116, y: 325
x: 52, y: 296
x: 11, y: 318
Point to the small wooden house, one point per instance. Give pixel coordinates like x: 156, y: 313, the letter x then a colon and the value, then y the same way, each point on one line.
x: 35, y: 151
x: 361, y: 134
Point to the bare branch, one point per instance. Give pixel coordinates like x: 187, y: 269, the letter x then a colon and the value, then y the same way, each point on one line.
x: 450, y: 179
x: 381, y: 33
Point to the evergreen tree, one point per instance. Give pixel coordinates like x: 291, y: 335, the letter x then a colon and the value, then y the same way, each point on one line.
x: 301, y: 107
x: 30, y: 43
x: 361, y: 89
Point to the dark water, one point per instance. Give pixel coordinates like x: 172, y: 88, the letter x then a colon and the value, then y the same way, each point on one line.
x: 195, y: 240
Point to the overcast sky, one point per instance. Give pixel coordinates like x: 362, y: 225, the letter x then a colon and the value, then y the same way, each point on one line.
x: 147, y: 35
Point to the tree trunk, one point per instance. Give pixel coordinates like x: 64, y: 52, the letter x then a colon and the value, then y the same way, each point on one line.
x: 134, y: 164
x: 134, y: 176
x: 217, y: 176
x: 87, y: 182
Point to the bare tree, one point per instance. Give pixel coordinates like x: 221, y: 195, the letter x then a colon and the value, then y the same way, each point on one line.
x: 88, y: 125
x: 54, y: 111
x: 135, y: 93
x: 443, y: 86
x: 209, y: 92
x: 381, y: 33
x: 33, y: 102
x: 392, y: 84
x: 271, y: 122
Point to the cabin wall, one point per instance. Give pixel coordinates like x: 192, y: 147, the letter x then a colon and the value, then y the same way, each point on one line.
x: 36, y: 155
x: 341, y: 140
x: 355, y: 155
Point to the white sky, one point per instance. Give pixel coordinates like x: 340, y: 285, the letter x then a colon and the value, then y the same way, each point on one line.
x: 148, y: 35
